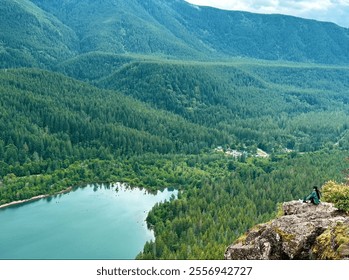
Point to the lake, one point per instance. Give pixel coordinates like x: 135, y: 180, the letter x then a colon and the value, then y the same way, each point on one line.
x: 91, y: 222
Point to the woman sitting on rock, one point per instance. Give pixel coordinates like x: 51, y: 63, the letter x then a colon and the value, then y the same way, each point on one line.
x: 314, y: 197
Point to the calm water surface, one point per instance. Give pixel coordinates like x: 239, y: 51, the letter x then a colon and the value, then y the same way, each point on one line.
x: 93, y: 222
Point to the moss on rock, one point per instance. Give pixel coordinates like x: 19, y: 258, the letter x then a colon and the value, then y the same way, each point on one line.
x: 333, y: 244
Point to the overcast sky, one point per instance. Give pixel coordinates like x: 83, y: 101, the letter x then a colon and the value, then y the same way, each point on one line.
x: 336, y: 11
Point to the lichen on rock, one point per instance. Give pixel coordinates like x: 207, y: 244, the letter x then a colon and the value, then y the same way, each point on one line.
x: 333, y: 244
x: 303, y: 232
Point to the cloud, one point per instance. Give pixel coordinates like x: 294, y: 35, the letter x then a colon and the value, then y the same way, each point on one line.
x: 336, y: 11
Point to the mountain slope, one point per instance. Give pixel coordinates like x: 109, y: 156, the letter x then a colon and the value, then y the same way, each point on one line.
x: 178, y: 29
x: 121, y: 26
x: 31, y: 37
x: 56, y: 117
x: 272, y: 37
x: 266, y: 105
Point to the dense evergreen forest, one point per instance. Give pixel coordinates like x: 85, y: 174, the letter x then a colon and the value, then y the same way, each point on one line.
x: 159, y: 108
x: 58, y: 132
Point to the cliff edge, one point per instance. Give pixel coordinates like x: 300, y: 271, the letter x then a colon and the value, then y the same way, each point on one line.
x: 304, y: 231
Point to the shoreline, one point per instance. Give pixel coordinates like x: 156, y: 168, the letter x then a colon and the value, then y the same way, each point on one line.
x: 17, y: 202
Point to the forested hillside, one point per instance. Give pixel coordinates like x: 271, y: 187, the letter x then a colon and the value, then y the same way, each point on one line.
x: 233, y: 196
x: 270, y: 106
x: 31, y: 37
x: 173, y: 29
x: 271, y: 37
x: 237, y: 111
x: 48, y: 116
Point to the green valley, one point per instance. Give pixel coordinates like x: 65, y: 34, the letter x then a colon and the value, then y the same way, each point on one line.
x: 160, y: 94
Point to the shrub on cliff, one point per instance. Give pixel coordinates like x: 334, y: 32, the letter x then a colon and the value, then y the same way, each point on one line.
x: 338, y: 194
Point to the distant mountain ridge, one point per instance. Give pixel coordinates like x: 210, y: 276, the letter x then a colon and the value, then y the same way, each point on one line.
x: 31, y: 37
x: 173, y: 28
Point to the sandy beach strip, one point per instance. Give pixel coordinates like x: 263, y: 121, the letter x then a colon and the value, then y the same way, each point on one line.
x: 23, y: 201
x: 33, y: 198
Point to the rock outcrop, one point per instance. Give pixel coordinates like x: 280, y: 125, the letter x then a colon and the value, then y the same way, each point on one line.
x: 304, y: 231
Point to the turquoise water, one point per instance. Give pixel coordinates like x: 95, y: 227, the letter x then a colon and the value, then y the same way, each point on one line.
x: 93, y: 222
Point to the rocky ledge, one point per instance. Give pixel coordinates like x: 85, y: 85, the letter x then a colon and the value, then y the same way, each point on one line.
x: 303, y: 231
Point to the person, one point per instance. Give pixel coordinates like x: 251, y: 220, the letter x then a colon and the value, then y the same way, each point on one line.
x: 314, y: 197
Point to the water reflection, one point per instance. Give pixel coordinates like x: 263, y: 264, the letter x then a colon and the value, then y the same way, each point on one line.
x: 105, y: 221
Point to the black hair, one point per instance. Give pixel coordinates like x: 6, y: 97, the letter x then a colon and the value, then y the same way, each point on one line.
x: 317, y: 192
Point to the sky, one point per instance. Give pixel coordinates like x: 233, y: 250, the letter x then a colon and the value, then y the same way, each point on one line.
x: 336, y: 11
